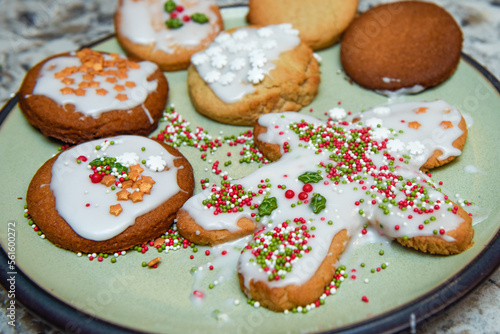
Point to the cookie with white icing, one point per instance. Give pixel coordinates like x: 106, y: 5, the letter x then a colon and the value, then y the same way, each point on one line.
x: 320, y: 22
x: 84, y: 95
x: 401, y: 47
x: 331, y: 180
x: 109, y: 194
x: 252, y: 71
x: 167, y: 32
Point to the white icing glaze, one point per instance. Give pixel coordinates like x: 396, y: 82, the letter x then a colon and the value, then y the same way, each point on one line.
x: 143, y: 22
x: 92, y: 103
x: 430, y: 136
x: 344, y: 200
x: 402, y: 91
x: 73, y: 189
x: 233, y: 63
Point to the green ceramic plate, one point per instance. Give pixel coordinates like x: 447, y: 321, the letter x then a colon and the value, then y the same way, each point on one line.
x: 78, y: 294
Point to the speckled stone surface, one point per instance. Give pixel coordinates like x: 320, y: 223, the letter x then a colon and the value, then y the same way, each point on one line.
x: 31, y: 30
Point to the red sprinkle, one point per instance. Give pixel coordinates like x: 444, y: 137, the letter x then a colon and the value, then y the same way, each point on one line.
x: 365, y: 299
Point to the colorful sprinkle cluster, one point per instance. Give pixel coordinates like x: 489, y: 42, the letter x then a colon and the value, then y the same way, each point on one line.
x: 352, y: 164
x: 229, y: 198
x: 277, y: 250
x: 178, y: 133
x: 94, y: 64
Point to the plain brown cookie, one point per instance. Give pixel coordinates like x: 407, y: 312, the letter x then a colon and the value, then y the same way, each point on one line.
x: 291, y: 85
x: 70, y: 126
x: 180, y: 57
x: 41, y: 207
x: 401, y: 45
x: 320, y: 22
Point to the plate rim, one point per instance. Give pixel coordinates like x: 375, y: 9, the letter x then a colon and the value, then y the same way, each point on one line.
x: 60, y: 314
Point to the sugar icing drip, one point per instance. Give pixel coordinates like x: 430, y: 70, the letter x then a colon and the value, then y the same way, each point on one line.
x: 336, y: 176
x: 110, y: 82
x: 85, y: 206
x: 143, y: 22
x: 233, y: 63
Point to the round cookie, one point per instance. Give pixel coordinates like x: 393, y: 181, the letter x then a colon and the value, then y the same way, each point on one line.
x: 167, y: 33
x: 253, y: 71
x: 82, y: 212
x: 407, y: 45
x: 76, y: 97
x: 320, y: 22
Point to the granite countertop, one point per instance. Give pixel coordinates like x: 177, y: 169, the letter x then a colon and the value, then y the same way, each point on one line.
x: 31, y: 30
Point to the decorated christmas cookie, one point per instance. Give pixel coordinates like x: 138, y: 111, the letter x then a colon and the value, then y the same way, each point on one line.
x: 86, y: 95
x: 109, y: 194
x: 332, y: 182
x: 320, y: 22
x: 167, y: 32
x: 252, y: 71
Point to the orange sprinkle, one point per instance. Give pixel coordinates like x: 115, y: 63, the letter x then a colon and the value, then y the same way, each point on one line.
x: 101, y: 91
x: 62, y: 73
x: 446, y: 124
x: 67, y: 90
x: 133, y: 65
x: 84, y: 84
x: 137, y: 168
x: 148, y: 179
x: 80, y: 92
x: 71, y: 69
x: 115, y: 209
x: 94, y: 84
x: 119, y: 88
x: 122, y: 74
x: 122, y: 195
x: 414, y: 125
x: 88, y: 77
x: 68, y: 81
x: 421, y: 110
x: 121, y: 97
x: 145, y: 187
x: 130, y: 84
x: 111, y: 79
x: 136, y: 196
x: 97, y: 66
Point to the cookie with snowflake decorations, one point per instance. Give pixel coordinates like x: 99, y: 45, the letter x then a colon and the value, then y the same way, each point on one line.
x: 251, y: 71
x: 110, y: 194
x: 168, y: 32
x: 331, y: 183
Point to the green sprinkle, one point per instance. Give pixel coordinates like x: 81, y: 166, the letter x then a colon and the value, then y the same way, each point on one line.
x: 170, y: 6
x: 199, y: 18
x: 173, y: 23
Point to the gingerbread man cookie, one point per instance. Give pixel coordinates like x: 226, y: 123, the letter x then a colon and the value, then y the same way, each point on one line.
x: 331, y: 179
